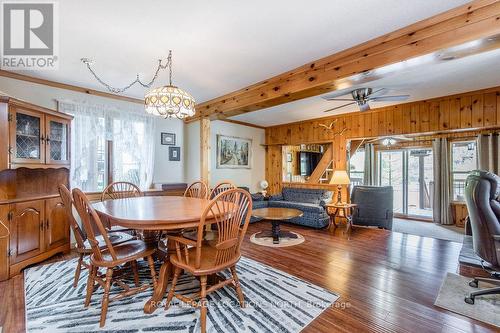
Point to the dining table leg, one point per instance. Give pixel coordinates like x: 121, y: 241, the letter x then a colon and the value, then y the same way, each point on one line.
x: 161, y: 287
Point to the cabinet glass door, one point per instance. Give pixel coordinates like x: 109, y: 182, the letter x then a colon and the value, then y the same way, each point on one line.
x: 57, y: 141
x: 27, y: 136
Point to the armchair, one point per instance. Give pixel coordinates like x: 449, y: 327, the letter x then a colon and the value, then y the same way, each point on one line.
x: 374, y: 206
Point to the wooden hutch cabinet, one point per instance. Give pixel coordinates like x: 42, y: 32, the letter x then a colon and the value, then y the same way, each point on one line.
x: 34, y: 160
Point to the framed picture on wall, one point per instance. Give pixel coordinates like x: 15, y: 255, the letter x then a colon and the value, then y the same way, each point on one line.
x: 168, y: 139
x: 233, y: 152
x: 288, y: 157
x: 174, y: 153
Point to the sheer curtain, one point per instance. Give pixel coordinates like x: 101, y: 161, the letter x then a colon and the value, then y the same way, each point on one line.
x: 442, y: 210
x: 131, y: 133
x: 488, y: 148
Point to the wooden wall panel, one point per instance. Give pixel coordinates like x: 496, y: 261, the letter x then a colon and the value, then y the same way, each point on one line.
x: 465, y: 112
x: 477, y: 112
x: 424, y: 117
x: 406, y: 126
x: 490, y: 109
x: 428, y: 118
x: 444, y: 114
x: 382, y: 123
x: 414, y: 119
x: 434, y: 116
x: 397, y: 118
x: 455, y: 113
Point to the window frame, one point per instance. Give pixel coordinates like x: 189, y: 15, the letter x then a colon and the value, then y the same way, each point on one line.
x: 452, y: 173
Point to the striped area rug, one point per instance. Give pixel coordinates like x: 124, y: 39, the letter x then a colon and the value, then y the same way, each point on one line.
x: 276, y: 302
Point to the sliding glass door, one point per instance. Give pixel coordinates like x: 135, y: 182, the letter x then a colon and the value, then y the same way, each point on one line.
x: 410, y: 173
x: 392, y: 174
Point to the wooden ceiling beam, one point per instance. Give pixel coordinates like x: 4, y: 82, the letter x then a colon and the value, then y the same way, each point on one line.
x: 476, y: 20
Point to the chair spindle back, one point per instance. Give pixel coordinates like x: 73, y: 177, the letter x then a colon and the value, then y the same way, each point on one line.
x: 230, y: 211
x: 67, y: 201
x: 197, y: 189
x: 89, y: 218
x: 120, y: 190
x: 221, y: 187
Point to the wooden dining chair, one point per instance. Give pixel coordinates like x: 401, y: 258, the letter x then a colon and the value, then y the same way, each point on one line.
x: 120, y: 190
x: 197, y: 189
x: 82, y: 244
x: 230, y: 211
x: 221, y: 187
x: 110, y: 257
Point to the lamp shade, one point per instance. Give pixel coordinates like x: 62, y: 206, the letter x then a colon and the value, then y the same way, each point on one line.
x: 170, y: 101
x: 340, y: 177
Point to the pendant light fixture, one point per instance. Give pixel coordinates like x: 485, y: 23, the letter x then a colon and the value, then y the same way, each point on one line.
x: 169, y: 101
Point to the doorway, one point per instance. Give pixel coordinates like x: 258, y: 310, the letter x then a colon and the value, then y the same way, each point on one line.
x: 410, y: 172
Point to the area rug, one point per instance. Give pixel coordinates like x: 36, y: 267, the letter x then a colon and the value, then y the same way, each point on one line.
x: 284, y: 241
x: 451, y: 297
x: 276, y: 302
x: 429, y: 229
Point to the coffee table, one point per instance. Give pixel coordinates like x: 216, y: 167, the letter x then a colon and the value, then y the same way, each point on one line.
x: 276, y: 215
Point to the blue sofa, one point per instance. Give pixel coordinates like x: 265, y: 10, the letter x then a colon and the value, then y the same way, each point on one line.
x: 310, y: 201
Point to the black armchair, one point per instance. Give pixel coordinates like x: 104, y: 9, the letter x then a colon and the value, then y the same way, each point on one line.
x: 482, y: 189
x: 374, y: 206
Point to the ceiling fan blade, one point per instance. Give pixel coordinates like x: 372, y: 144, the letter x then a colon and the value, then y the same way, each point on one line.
x: 389, y: 98
x: 364, y: 107
x: 337, y: 93
x: 378, y: 92
x: 340, y: 99
x: 338, y: 107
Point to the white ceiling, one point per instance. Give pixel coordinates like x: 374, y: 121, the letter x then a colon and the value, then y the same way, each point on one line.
x: 220, y: 45
x: 421, y: 82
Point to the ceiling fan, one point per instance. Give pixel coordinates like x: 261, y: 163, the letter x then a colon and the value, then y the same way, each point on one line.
x: 362, y: 97
x: 389, y: 140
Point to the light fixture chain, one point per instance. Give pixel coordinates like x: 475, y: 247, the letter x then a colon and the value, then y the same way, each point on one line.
x: 170, y: 66
x: 137, y: 79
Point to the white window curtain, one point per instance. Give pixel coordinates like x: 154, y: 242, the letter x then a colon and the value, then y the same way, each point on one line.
x: 488, y: 148
x: 132, y: 134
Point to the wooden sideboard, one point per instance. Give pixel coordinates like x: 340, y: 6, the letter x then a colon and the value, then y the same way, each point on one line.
x: 34, y: 160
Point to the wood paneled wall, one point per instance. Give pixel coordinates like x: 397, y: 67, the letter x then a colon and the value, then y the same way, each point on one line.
x: 472, y: 111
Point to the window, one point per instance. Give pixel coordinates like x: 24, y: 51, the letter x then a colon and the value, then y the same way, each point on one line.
x: 109, y: 145
x: 357, y: 167
x: 463, y: 160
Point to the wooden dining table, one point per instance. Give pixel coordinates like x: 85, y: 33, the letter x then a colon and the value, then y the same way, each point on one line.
x: 160, y: 214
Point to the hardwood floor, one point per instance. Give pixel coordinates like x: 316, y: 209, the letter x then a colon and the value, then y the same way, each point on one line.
x: 387, y: 281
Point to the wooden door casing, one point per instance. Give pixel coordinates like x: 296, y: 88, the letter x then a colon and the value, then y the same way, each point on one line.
x: 13, y: 139
x: 49, y: 141
x: 56, y: 224
x: 26, y: 230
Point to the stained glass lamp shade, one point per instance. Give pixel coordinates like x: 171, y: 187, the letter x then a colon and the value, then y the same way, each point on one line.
x: 170, y: 101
